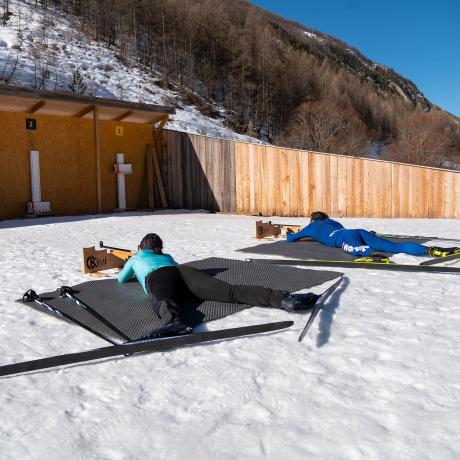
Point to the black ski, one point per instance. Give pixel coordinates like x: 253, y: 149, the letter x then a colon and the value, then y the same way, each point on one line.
x: 155, y: 345
x: 418, y: 237
x: 365, y: 265
x: 318, y: 305
x: 440, y: 260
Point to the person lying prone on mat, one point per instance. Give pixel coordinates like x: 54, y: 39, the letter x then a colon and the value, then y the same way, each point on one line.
x: 168, y: 285
x: 360, y: 242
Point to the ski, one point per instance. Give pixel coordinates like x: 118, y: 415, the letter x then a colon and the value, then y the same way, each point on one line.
x: 128, y: 348
x: 440, y: 260
x: 418, y: 237
x: 318, y: 305
x: 365, y: 265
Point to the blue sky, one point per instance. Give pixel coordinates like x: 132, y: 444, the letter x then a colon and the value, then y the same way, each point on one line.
x: 420, y: 39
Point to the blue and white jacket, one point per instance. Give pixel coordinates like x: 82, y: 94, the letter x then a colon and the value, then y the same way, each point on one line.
x: 326, y: 231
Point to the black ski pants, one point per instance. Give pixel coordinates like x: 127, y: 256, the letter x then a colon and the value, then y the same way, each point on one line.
x: 169, y: 287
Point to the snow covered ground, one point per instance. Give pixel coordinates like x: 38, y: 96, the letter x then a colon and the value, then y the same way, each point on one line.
x: 37, y: 39
x: 377, y: 377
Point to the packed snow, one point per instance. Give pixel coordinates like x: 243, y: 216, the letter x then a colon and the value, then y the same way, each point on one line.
x: 377, y: 377
x: 39, y: 42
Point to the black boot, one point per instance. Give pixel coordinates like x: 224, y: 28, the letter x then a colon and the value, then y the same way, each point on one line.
x: 435, y: 251
x: 379, y: 257
x: 174, y: 328
x: 298, y: 302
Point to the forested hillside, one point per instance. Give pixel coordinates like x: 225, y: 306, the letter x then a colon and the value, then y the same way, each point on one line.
x: 275, y: 79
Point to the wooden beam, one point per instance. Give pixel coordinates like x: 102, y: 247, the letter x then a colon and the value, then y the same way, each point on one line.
x: 83, y: 112
x: 153, y: 167
x: 8, y: 90
x: 98, y: 158
x: 36, y: 107
x: 157, y: 130
x: 156, y: 168
x: 123, y: 115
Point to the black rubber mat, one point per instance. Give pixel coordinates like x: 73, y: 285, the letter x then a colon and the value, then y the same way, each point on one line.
x: 127, y: 306
x: 308, y: 250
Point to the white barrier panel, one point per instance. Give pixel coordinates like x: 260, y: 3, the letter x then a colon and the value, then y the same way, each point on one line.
x: 36, y: 206
x: 35, y: 176
x: 120, y: 169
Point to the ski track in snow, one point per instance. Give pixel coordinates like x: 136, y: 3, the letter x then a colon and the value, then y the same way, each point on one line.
x: 377, y: 376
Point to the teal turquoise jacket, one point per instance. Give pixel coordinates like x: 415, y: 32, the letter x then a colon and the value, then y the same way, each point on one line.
x: 142, y: 264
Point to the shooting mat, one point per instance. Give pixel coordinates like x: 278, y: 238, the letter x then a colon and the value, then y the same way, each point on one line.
x: 310, y: 249
x: 127, y: 306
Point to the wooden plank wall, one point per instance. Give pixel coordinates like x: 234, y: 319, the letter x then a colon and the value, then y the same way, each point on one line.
x: 198, y: 171
x: 287, y: 182
x: 216, y: 174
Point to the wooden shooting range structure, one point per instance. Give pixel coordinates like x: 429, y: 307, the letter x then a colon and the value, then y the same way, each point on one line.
x: 65, y: 145
x: 64, y: 150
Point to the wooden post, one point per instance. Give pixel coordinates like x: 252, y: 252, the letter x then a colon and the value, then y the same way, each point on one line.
x: 157, y: 131
x: 98, y: 157
x: 153, y: 167
x: 159, y: 179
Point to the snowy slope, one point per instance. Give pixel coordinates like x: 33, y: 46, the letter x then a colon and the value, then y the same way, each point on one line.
x: 377, y: 377
x: 35, y: 40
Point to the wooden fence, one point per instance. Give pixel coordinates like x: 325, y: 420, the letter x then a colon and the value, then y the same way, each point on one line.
x: 228, y: 176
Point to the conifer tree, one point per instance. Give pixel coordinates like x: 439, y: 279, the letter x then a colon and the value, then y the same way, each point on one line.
x: 77, y: 85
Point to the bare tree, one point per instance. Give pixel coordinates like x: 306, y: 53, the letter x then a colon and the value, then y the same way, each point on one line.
x: 260, y: 68
x: 6, y: 14
x: 422, y: 139
x: 324, y: 127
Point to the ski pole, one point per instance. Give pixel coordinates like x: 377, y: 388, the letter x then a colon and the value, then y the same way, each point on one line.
x: 318, y: 305
x: 66, y: 291
x: 32, y: 296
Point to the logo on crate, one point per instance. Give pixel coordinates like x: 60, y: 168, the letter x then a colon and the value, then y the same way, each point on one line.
x: 93, y: 262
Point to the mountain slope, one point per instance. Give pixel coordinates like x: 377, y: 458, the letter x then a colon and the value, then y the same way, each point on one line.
x: 228, y: 67
x: 44, y: 49
x: 384, y: 79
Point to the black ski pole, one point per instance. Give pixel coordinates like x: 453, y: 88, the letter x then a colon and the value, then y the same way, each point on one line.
x: 66, y: 291
x: 32, y: 296
x: 318, y: 305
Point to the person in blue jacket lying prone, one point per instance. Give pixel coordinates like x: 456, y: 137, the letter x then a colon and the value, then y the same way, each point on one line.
x: 169, y: 285
x: 360, y: 242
